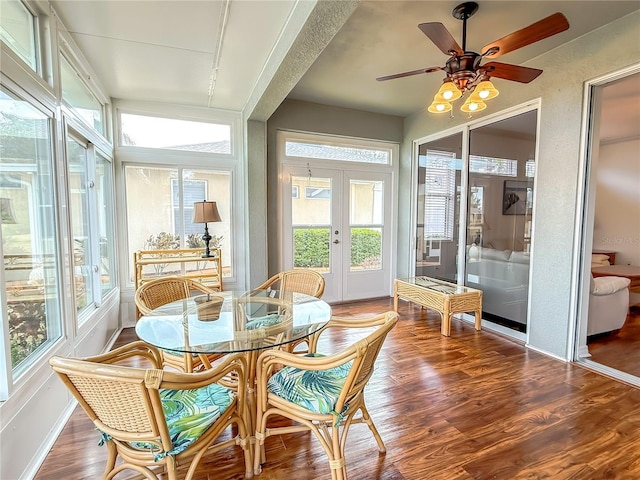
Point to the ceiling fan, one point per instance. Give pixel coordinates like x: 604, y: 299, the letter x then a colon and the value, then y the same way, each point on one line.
x: 464, y: 70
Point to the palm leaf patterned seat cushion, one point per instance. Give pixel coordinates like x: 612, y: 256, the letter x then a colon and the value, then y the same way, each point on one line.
x: 267, y: 321
x: 189, y: 414
x: 314, y: 390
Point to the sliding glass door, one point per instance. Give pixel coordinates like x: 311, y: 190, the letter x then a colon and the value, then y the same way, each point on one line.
x: 499, y: 217
x: 480, y: 207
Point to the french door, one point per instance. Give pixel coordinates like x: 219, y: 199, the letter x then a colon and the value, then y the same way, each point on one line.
x: 338, y: 222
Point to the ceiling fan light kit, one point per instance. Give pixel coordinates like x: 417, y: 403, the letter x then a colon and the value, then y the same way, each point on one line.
x: 464, y: 70
x: 439, y: 107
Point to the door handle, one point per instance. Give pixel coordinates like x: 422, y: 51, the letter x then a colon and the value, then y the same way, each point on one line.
x: 336, y: 241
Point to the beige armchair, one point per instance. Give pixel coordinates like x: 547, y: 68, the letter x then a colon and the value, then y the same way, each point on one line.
x: 608, y: 304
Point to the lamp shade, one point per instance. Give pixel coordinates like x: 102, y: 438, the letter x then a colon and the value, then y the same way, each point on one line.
x: 484, y: 91
x: 471, y: 105
x: 205, y: 212
x: 439, y: 107
x: 448, y: 92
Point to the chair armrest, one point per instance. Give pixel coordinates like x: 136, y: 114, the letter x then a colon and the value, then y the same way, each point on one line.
x: 130, y: 350
x: 609, y: 285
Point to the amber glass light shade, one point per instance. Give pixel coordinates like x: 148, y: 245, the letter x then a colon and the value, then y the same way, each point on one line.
x: 439, y: 107
x: 472, y: 106
x: 484, y: 91
x: 448, y: 92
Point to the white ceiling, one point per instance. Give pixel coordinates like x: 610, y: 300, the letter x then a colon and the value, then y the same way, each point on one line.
x: 165, y: 51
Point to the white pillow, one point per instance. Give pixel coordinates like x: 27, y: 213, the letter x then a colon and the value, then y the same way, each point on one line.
x: 609, y: 285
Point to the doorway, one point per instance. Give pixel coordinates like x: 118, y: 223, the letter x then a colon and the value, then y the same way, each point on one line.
x: 611, y: 224
x: 337, y: 219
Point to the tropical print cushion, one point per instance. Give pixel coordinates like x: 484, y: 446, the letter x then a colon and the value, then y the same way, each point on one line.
x: 266, y: 321
x: 314, y: 390
x: 190, y: 413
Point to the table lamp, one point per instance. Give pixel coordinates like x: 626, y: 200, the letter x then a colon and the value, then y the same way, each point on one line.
x: 205, y: 212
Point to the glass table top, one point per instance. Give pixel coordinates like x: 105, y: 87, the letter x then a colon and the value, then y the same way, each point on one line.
x: 437, y: 285
x: 230, y: 322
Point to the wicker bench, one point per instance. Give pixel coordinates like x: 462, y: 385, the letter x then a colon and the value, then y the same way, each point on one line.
x: 446, y: 298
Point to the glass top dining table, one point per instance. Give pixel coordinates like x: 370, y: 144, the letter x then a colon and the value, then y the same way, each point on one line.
x: 229, y: 322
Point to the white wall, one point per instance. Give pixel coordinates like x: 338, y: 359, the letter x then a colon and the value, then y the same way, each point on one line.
x: 617, y: 215
x: 560, y: 163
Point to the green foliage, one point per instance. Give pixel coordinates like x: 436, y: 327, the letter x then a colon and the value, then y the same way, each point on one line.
x: 27, y: 328
x: 194, y: 240
x: 366, y: 245
x: 162, y: 241
x: 311, y: 247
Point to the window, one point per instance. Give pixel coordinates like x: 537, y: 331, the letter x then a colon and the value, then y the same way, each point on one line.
x: 18, y: 31
x: 29, y: 232
x: 106, y: 225
x: 78, y: 95
x: 333, y: 152
x: 193, y: 191
x: 90, y: 178
x: 317, y: 193
x: 173, y: 134
x: 493, y: 166
x: 78, y: 177
x: 160, y: 209
x: 439, y: 198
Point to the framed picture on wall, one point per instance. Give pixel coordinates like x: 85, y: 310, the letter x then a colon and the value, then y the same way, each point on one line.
x: 515, y: 198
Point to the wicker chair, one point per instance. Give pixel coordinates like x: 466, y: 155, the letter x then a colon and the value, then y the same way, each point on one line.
x: 321, y: 394
x: 155, y: 293
x: 297, y: 280
x: 157, y: 420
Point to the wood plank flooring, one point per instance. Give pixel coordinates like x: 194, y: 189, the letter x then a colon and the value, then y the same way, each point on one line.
x: 621, y: 349
x: 471, y: 406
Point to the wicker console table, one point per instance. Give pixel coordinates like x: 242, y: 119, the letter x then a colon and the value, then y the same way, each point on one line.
x: 444, y: 297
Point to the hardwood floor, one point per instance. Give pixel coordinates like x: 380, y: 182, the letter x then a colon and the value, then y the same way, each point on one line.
x: 621, y: 349
x: 471, y: 406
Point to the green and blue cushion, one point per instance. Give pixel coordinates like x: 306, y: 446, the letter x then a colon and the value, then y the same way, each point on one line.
x: 263, y: 322
x: 189, y: 414
x: 313, y: 390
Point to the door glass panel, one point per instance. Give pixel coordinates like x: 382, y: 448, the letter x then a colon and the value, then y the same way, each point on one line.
x: 311, y: 222
x: 439, y: 173
x: 365, y: 222
x: 79, y: 207
x: 501, y: 177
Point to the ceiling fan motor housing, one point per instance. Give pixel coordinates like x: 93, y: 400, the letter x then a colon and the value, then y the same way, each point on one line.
x: 462, y: 69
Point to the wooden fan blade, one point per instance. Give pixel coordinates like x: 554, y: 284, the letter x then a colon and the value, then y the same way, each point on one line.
x: 544, y: 28
x: 507, y: 71
x: 408, y: 74
x: 439, y: 35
